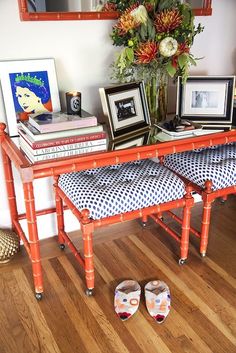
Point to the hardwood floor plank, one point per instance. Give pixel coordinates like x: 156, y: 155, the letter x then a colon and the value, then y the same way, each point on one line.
x: 203, y: 305
x: 208, y: 312
x: 170, y: 333
x: 111, y: 334
x: 46, y: 342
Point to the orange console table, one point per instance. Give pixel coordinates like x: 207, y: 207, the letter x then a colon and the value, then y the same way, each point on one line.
x: 53, y: 168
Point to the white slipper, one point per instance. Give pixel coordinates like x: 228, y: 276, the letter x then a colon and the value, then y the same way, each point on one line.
x: 157, y: 295
x: 127, y: 298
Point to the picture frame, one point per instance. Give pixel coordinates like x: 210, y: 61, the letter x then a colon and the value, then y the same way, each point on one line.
x: 130, y: 141
x: 207, y: 100
x: 28, y: 86
x: 125, y: 108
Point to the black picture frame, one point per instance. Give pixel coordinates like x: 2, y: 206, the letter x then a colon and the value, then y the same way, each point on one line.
x: 207, y: 100
x: 125, y: 108
x: 130, y: 141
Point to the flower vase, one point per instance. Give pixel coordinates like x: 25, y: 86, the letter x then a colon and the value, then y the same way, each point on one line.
x: 156, y: 93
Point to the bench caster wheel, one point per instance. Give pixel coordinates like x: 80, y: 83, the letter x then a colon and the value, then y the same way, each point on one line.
x: 62, y: 246
x: 182, y: 261
x: 203, y: 254
x: 89, y: 292
x: 39, y: 296
x: 144, y: 224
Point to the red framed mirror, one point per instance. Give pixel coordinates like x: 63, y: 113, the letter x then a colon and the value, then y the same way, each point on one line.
x: 29, y: 12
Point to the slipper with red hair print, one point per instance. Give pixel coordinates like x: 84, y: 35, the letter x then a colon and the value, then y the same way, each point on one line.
x: 157, y: 296
x: 127, y: 298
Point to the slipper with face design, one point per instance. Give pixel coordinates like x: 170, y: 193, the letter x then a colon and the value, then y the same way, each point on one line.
x: 127, y: 298
x: 157, y: 296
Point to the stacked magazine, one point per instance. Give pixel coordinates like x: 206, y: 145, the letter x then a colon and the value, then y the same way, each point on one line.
x: 55, y: 135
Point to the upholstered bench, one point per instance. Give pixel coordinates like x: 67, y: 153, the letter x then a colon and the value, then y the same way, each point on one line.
x: 211, y: 172
x: 117, y: 193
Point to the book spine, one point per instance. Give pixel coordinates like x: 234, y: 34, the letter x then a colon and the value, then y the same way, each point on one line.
x: 37, y: 136
x: 62, y: 148
x: 84, y: 122
x: 44, y: 157
x: 62, y: 140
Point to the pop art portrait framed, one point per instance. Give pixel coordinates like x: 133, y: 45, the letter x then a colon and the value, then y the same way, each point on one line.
x: 28, y: 86
x: 125, y: 107
x: 207, y: 100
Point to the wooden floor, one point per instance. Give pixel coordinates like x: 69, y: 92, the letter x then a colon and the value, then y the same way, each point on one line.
x: 203, y: 314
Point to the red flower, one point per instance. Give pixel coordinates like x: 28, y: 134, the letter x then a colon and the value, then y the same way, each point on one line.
x: 146, y: 52
x: 167, y: 20
x: 109, y: 6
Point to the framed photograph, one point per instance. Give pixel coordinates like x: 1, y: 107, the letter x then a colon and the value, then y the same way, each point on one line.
x: 207, y: 100
x: 28, y: 86
x: 130, y: 141
x: 125, y: 107
x: 36, y: 5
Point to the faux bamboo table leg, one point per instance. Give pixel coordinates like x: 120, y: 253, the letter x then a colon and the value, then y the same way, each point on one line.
x: 33, y: 238
x: 206, y: 217
x: 10, y: 188
x: 59, y: 215
x: 87, y: 234
x: 184, y: 242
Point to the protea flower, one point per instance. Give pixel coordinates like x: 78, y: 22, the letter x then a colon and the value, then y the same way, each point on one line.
x: 168, y: 47
x: 127, y: 21
x: 109, y: 6
x: 167, y: 20
x: 140, y: 14
x: 146, y: 52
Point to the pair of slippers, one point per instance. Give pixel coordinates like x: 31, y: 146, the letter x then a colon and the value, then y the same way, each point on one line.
x: 157, y: 297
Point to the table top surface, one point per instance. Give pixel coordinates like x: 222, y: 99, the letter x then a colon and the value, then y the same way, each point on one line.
x: 138, y: 146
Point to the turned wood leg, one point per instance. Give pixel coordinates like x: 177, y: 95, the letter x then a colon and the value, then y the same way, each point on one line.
x: 33, y: 238
x: 206, y: 216
x: 59, y: 215
x: 184, y: 242
x: 87, y: 234
x: 144, y: 220
x: 10, y: 188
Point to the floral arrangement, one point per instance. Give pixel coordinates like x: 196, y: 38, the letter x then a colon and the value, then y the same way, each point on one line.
x: 155, y: 35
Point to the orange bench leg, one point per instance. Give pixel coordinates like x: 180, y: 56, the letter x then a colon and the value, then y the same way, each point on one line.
x: 87, y: 234
x: 206, y: 216
x: 59, y: 215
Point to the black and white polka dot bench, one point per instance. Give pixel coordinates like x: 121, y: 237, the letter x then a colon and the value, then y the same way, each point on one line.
x: 211, y: 172
x: 118, y: 193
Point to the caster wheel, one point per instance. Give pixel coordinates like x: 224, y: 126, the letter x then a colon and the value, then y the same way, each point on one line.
x: 39, y: 296
x: 203, y: 254
x: 89, y: 292
x: 182, y: 261
x: 161, y: 219
x: 144, y: 224
x: 222, y: 201
x: 62, y: 246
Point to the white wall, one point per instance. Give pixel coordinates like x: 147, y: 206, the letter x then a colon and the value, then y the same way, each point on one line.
x: 83, y: 52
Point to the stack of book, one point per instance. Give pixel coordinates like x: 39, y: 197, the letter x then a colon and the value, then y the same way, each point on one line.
x: 55, y: 135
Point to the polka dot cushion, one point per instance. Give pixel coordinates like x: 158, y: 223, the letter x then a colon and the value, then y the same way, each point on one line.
x: 216, y: 164
x: 121, y: 188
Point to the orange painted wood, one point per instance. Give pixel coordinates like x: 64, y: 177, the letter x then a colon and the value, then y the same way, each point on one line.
x: 33, y: 236
x: 206, y: 10
x: 29, y: 171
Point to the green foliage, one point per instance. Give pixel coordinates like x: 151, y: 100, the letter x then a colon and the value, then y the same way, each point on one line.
x: 132, y: 36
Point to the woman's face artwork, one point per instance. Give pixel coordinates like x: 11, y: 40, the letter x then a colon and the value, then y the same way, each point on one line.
x: 28, y: 100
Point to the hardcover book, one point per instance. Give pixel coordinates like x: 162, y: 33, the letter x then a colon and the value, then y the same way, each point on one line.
x: 36, y: 135
x: 49, y: 122
x: 63, y: 154
x: 62, y: 140
x: 61, y: 148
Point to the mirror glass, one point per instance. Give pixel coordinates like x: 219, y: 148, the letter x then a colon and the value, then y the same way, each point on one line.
x: 46, y: 10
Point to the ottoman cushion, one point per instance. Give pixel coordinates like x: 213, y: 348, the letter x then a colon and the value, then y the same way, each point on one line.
x: 217, y: 164
x: 116, y: 189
